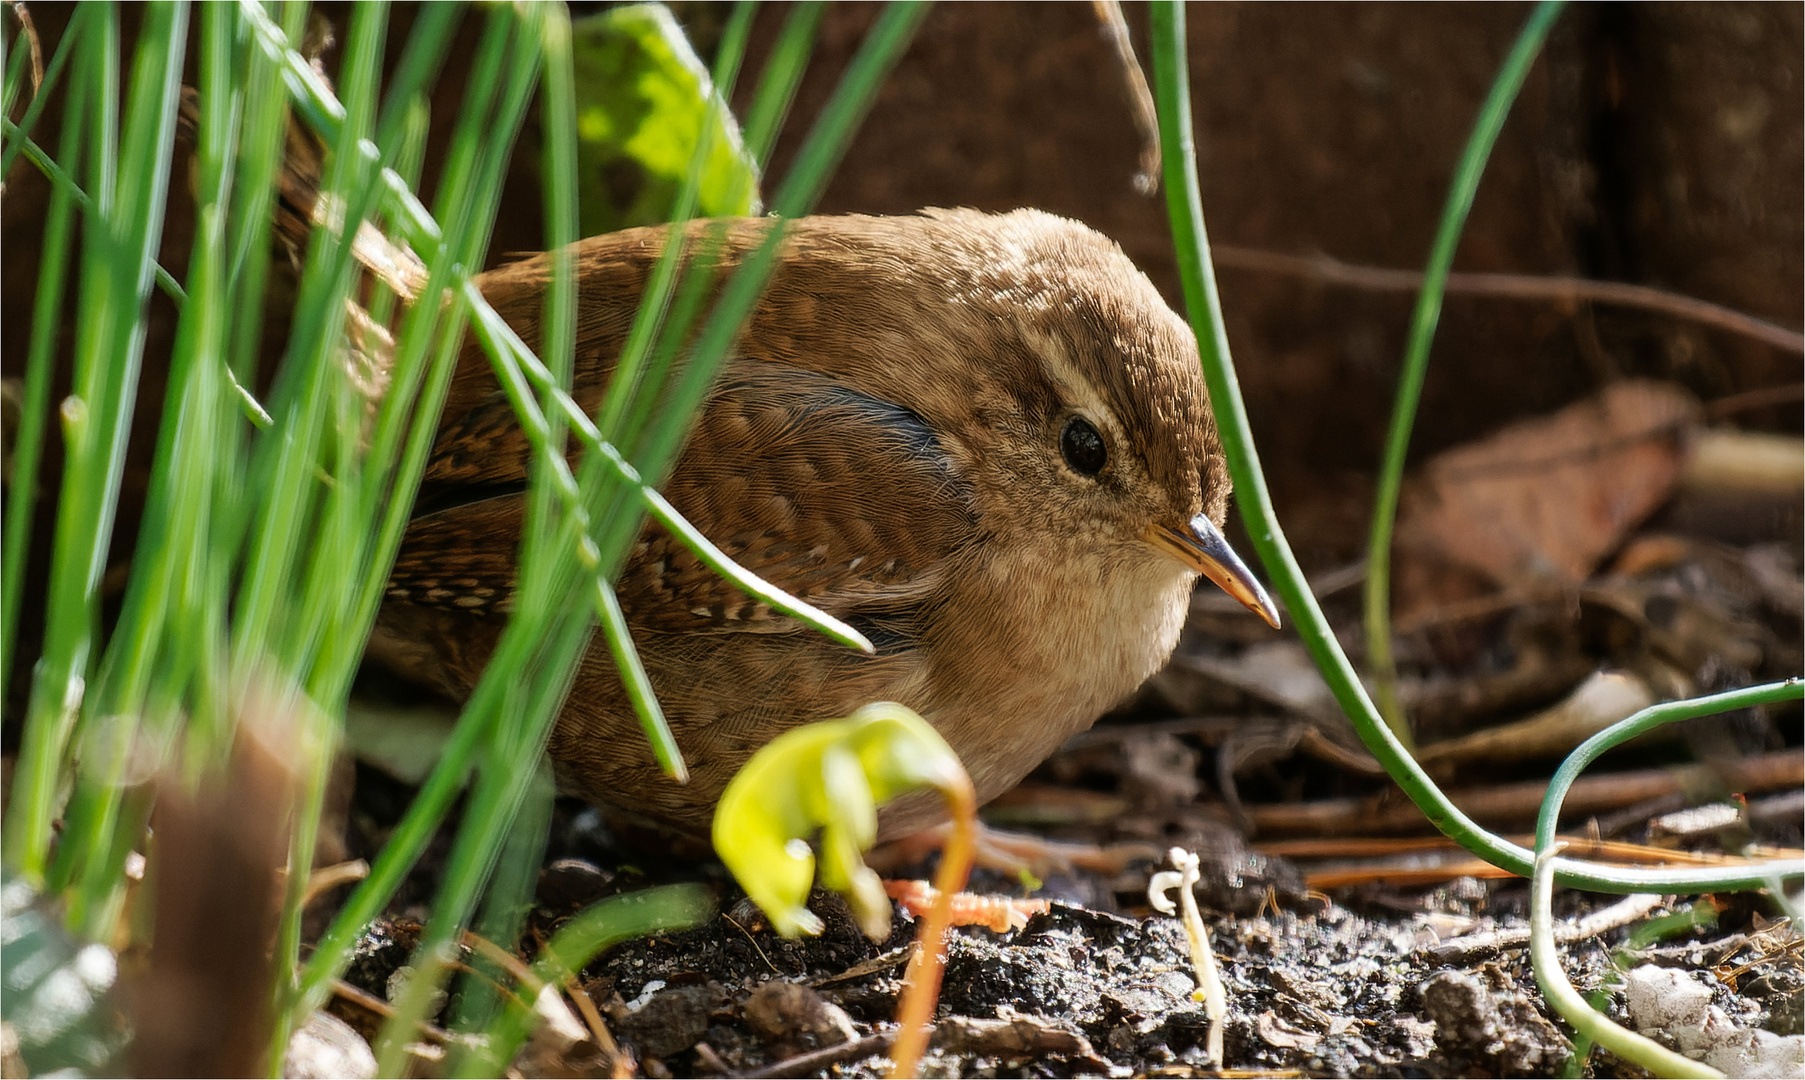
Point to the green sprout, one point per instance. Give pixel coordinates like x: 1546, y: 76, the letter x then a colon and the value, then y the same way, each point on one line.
x: 827, y: 780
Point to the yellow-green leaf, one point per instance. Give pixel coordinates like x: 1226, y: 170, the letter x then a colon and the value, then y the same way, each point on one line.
x: 826, y: 781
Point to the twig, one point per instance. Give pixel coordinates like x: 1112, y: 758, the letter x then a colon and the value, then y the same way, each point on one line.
x: 331, y: 877
x: 1754, y: 399
x: 593, y: 1017
x: 816, y: 1060
x: 1017, y: 1038
x: 1516, y: 287
x: 750, y: 941
x: 1478, y: 946
x: 711, y: 1061
x: 23, y: 14
x: 365, y: 1000
x: 1140, y: 97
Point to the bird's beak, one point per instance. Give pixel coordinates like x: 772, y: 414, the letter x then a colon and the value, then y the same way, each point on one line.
x: 1200, y: 546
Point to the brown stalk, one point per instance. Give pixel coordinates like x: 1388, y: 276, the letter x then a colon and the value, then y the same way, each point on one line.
x: 922, y: 990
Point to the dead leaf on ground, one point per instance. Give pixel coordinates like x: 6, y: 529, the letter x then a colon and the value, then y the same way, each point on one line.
x: 1542, y: 500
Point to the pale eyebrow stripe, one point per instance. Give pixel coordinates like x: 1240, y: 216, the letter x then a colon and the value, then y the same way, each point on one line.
x: 1075, y: 390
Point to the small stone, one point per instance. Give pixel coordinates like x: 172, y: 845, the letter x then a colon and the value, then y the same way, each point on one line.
x: 1491, y: 1020
x: 672, y: 1020
x: 570, y: 884
x: 1664, y: 1000
x: 794, y: 1019
x: 326, y: 1047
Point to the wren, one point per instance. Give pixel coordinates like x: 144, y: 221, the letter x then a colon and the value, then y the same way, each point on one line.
x: 982, y: 440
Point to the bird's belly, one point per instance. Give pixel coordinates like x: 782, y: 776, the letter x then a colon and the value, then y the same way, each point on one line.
x: 1004, y: 702
x: 1047, y: 657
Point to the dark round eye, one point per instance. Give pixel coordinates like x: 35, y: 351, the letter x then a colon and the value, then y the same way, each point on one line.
x: 1083, y: 447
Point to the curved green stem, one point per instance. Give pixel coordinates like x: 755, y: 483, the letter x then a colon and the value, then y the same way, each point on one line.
x: 1471, y: 167
x: 1544, y: 954
x: 1184, y: 205
x: 1588, y: 1022
x: 1641, y: 723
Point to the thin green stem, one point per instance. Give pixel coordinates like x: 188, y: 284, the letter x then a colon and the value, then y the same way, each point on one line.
x: 504, y: 910
x: 60, y: 178
x: 1591, y: 1025
x: 118, y: 268
x: 53, y: 71
x: 637, y: 683
x: 46, y: 319
x: 171, y: 530
x: 783, y: 73
x: 1184, y: 204
x: 1641, y: 723
x: 649, y: 326
x: 545, y: 631
x: 520, y: 372
x: 1544, y: 954
x: 1423, y: 320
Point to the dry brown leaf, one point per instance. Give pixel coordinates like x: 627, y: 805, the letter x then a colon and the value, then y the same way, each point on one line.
x: 1545, y: 499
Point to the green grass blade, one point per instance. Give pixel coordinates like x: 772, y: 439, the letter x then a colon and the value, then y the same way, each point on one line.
x: 137, y: 668
x: 815, y: 162
x: 505, y: 908
x: 1423, y: 319
x: 467, y: 194
x: 649, y: 328
x: 421, y: 59
x: 47, y: 165
x: 46, y: 319
x: 637, y: 683
x: 117, y: 273
x: 53, y: 71
x: 783, y: 73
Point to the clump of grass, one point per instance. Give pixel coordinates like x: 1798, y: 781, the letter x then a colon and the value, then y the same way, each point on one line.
x: 270, y: 524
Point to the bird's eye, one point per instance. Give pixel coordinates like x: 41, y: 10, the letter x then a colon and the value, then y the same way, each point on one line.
x: 1083, y: 447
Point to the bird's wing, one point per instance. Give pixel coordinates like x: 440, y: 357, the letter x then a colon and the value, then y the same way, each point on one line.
x: 842, y: 499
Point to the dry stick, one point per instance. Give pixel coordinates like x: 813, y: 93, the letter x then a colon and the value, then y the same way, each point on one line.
x: 331, y: 877
x: 1140, y: 97
x: 23, y: 14
x: 593, y: 1017
x: 1419, y: 870
x: 1478, y: 946
x: 712, y: 1062
x: 363, y: 999
x: 1422, y: 849
x: 816, y: 1060
x: 1390, y: 812
x: 1754, y: 399
x: 1516, y: 286
x: 1360, y: 847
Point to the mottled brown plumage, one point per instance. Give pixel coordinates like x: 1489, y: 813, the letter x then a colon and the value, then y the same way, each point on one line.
x: 885, y: 442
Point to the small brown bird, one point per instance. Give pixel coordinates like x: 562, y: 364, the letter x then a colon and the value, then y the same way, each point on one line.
x: 983, y: 440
